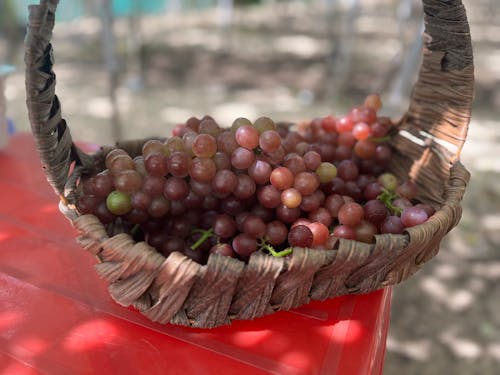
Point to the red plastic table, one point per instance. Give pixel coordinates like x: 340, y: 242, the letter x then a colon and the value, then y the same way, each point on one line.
x: 57, y: 318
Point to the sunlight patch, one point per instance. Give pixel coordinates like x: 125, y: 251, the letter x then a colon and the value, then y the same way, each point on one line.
x: 30, y: 347
x: 99, y: 107
x: 460, y: 300
x: 418, y: 350
x: 461, y: 347
x: 494, y: 350
x: 90, y: 335
x: 434, y: 288
x: 300, y: 45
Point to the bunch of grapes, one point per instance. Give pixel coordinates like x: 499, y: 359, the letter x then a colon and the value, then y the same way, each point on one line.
x: 257, y: 186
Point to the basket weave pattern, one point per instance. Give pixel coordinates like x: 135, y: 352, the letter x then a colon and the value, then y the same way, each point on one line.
x: 180, y: 291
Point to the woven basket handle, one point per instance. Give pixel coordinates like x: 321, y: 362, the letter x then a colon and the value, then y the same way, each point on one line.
x: 446, y: 78
x: 434, y: 128
x: 442, y: 98
x: 52, y: 136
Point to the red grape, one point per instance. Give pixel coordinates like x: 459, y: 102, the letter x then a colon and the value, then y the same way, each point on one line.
x: 204, y: 145
x: 333, y: 204
x: 247, y: 136
x: 301, y: 236
x: 276, y: 233
x: 254, y: 226
x: 344, y: 124
x: 282, y: 178
x: 226, y: 142
x: 175, y: 188
x: 153, y: 146
x: 171, y: 244
x: 244, y: 245
x: 344, y: 231
x: 348, y: 170
x: 351, y: 214
x: 373, y: 101
x: 260, y: 171
x: 223, y: 249
x: 306, y: 182
x: 202, y: 169
x: 291, y: 198
x: 312, y: 160
x: 245, y: 188
x: 269, y: 196
x: 269, y: 141
x: 203, y: 189
x: 392, y: 224
x: 179, y: 163
x: 321, y: 215
x: 375, y: 211
x: 193, y: 123
x: 103, y: 184
x: 158, y: 207
x: 120, y: 163
x: 428, y: 209
x: 320, y: 233
x: 209, y: 126
x: 361, y: 131
x: 221, y: 160
x: 295, y: 163
x: 287, y: 215
x: 224, y: 182
x: 407, y: 189
x: 383, y: 154
x: 365, y: 231
x: 112, y: 155
x: 365, y: 149
x: 328, y: 124
x: 87, y: 203
x: 127, y: 181
x: 372, y: 190
x: 224, y: 226
x: 241, y: 158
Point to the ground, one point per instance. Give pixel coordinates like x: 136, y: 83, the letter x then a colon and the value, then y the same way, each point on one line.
x: 278, y: 62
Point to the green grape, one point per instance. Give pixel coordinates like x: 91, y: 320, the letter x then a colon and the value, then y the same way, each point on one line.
x: 118, y: 203
x: 389, y: 181
x: 326, y: 172
x: 264, y: 123
x: 239, y: 122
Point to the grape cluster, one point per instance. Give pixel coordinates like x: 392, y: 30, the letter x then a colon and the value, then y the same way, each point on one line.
x: 257, y: 186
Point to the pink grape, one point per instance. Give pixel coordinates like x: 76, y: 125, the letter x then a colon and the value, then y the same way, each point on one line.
x: 412, y: 216
x: 247, y: 136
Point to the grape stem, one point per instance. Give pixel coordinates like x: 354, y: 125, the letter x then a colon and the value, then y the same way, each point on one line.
x: 381, y: 139
x: 265, y: 246
x: 386, y: 198
x: 205, y: 234
x: 134, y: 230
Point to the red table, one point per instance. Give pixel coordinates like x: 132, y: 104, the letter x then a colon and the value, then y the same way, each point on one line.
x: 57, y: 318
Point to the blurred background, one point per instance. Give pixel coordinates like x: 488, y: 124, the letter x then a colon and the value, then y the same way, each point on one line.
x: 135, y: 68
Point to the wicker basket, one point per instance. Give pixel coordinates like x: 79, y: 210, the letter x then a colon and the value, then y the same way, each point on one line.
x: 180, y: 291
